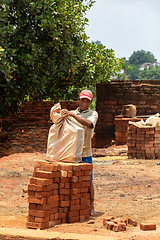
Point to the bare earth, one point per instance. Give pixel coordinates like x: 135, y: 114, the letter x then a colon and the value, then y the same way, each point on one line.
x: 123, y: 188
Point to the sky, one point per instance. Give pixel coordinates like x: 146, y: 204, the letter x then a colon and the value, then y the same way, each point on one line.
x: 126, y: 26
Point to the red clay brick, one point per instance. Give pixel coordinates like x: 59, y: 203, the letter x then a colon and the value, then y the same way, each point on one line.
x: 32, y: 206
x: 64, y: 191
x: 36, y: 187
x: 41, y: 220
x: 74, y: 208
x: 64, y: 180
x: 31, y: 193
x: 37, y: 200
x: 41, y: 181
x: 43, y: 174
x: 62, y: 215
x: 39, y: 213
x: 37, y: 225
x: 42, y: 194
x: 63, y: 203
x: 74, y: 191
x: 73, y: 219
x: 147, y: 227
x: 132, y: 222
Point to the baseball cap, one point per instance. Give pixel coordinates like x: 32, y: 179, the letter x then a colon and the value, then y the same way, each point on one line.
x: 86, y: 94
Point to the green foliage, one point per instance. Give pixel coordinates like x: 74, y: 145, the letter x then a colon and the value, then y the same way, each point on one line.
x: 140, y: 57
x: 44, y: 52
x: 152, y: 73
x: 132, y: 65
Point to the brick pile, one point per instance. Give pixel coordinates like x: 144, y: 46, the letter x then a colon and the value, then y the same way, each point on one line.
x: 144, y: 142
x: 118, y: 224
x: 121, y: 127
x: 58, y: 193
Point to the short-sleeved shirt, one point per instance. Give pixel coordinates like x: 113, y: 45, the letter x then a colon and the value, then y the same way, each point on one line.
x: 93, y: 117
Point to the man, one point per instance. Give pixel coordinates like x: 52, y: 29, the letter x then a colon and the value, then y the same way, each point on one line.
x: 87, y: 118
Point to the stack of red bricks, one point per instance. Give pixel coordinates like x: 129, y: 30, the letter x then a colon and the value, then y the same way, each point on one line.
x: 143, y: 142
x: 58, y: 193
x: 121, y: 127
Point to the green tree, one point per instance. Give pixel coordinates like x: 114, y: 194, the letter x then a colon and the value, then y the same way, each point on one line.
x: 139, y: 57
x: 151, y: 73
x: 44, y: 51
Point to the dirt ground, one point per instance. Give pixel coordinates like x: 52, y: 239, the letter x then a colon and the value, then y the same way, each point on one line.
x: 123, y: 188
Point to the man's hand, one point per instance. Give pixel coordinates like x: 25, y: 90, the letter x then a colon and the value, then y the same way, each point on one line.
x: 65, y: 113
x: 81, y: 120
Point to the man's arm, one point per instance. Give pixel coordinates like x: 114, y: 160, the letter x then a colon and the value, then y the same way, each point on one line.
x: 81, y: 120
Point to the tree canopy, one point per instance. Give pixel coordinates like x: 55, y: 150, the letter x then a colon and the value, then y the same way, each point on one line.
x: 139, y: 57
x: 45, y: 53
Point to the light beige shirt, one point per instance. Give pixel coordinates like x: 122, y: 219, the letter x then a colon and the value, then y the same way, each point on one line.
x: 93, y: 117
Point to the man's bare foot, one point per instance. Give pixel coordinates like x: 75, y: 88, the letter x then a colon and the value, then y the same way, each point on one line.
x: 93, y: 212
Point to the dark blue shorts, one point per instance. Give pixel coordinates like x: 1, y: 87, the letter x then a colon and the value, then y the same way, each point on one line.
x: 88, y: 160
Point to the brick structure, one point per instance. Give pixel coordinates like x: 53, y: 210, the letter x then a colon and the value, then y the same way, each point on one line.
x: 58, y: 193
x: 121, y: 128
x: 111, y: 97
x: 144, y: 142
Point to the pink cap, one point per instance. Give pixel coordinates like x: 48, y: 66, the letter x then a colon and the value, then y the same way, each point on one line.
x: 86, y: 94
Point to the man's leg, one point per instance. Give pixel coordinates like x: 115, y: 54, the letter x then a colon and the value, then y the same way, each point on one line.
x: 93, y: 212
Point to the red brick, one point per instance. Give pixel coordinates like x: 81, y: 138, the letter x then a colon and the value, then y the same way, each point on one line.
x: 73, y: 219
x: 42, y: 174
x: 70, y: 174
x: 66, y: 166
x: 61, y: 185
x: 119, y: 227
x: 41, y: 181
x: 75, y: 191
x: 64, y: 180
x: 64, y: 174
x: 53, y: 199
x: 73, y: 214
x: 74, y: 208
x: 78, y: 173
x: 45, y: 166
x: 31, y: 193
x: 54, y: 210
x: 30, y: 218
x: 85, y: 211
x: 62, y: 215
x: 64, y: 191
x: 36, y: 187
x: 32, y: 206
x: 42, y: 194
x: 41, y: 220
x: 37, y: 225
x: 132, y: 222
x: 63, y: 203
x: 76, y: 167
x: 67, y: 185
x: 53, y: 186
x: 39, y: 213
x: 75, y: 185
x: 46, y: 207
x: 84, y: 190
x: 66, y: 197
x: 109, y: 219
x: 147, y: 227
x: 37, y: 200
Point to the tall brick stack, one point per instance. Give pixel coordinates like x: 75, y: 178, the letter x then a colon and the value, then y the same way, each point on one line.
x: 144, y: 142
x: 58, y: 193
x: 121, y: 128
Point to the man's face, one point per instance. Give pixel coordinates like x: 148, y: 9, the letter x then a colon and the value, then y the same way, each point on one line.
x: 84, y: 104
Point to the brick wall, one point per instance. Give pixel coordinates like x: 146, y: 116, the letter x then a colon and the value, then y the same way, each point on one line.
x: 111, y: 97
x: 28, y: 132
